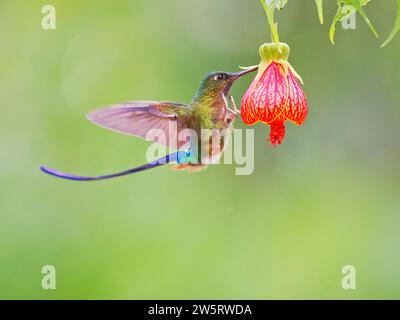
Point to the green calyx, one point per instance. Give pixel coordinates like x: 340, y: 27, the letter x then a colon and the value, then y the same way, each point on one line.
x: 270, y: 52
x: 275, y: 52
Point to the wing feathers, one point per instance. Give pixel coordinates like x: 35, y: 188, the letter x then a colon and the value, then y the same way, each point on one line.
x: 138, y: 118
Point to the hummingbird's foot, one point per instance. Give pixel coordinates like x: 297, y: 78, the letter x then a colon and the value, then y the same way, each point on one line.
x: 235, y: 109
x: 235, y: 112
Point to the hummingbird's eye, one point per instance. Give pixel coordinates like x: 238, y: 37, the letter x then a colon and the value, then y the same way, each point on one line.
x: 220, y: 76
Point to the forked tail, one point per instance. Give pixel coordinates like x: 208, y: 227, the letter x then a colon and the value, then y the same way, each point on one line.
x: 179, y: 157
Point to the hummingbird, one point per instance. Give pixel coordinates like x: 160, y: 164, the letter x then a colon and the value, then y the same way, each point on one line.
x: 205, y: 123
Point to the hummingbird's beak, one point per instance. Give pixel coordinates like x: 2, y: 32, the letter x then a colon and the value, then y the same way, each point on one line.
x: 232, y: 77
x: 240, y: 74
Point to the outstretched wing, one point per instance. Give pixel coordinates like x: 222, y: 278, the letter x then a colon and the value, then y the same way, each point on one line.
x: 138, y: 118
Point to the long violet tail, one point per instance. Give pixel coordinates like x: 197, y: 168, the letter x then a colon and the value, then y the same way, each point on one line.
x: 179, y: 157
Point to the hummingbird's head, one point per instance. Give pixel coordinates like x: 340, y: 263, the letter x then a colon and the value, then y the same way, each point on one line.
x: 221, y: 82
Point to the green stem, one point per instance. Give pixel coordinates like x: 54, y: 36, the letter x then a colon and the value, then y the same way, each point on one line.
x: 270, y: 11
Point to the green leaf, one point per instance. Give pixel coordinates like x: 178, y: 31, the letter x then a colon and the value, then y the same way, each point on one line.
x: 396, y: 27
x: 320, y: 9
x: 346, y: 8
x: 343, y: 12
x: 358, y: 4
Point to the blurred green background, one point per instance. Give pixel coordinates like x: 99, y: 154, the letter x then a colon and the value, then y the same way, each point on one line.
x: 328, y: 197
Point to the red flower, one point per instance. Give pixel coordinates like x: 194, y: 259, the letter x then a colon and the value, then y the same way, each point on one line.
x: 275, y: 95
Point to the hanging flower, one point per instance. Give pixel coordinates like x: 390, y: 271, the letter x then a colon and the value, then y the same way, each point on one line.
x: 275, y: 95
